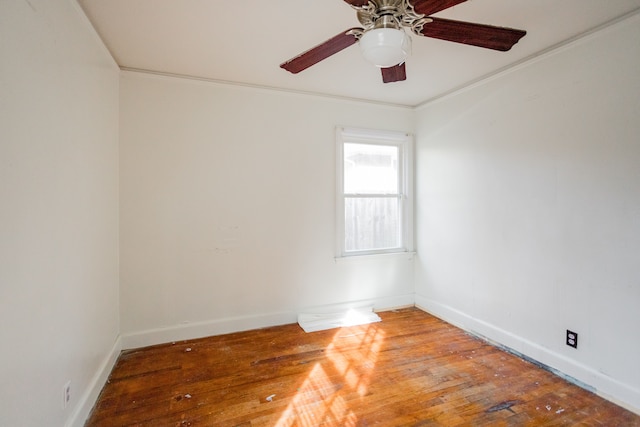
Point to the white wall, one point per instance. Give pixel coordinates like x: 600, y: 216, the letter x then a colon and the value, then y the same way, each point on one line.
x: 227, y: 208
x: 529, y: 209
x: 58, y: 211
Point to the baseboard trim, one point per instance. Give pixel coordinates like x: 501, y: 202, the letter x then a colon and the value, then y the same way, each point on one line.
x: 244, y: 323
x: 83, y: 409
x: 209, y: 328
x: 395, y: 302
x: 608, y: 388
x: 378, y: 304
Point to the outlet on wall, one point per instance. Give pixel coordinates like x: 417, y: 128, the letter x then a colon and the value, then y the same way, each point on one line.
x: 66, y: 394
x: 572, y: 339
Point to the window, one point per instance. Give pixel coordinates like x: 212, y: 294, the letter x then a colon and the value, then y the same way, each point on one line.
x: 374, y: 192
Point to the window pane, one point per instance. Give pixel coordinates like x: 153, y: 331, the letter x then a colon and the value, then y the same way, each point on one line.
x: 370, y: 169
x: 371, y: 223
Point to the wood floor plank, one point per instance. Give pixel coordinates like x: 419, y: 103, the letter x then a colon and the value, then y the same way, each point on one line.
x: 411, y: 369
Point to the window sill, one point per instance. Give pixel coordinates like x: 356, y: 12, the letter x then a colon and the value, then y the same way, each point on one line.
x: 349, y: 258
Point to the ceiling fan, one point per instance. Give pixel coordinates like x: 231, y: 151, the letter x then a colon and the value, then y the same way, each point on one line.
x: 385, y: 43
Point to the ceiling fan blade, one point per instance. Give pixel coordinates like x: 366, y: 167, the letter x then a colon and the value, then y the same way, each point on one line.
x: 488, y: 36
x: 396, y: 73
x: 320, y: 52
x: 357, y: 3
x: 428, y: 7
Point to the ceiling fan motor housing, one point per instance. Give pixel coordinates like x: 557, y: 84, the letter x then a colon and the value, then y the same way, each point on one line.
x: 390, y: 14
x: 383, y: 41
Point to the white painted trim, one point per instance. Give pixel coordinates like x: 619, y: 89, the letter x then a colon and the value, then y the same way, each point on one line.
x: 378, y: 304
x: 408, y: 255
x: 263, y: 89
x: 94, y: 33
x: 393, y: 302
x: 88, y: 399
x: 339, y: 192
x: 608, y: 388
x: 205, y: 329
x: 406, y: 177
x: 372, y: 135
x: 244, y: 323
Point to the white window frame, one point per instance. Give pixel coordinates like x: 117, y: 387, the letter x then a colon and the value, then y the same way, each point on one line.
x: 404, y: 142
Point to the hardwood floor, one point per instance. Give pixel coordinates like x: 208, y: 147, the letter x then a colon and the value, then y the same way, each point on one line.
x: 411, y: 369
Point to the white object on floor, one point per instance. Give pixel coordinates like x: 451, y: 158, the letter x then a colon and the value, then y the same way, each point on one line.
x: 312, y: 322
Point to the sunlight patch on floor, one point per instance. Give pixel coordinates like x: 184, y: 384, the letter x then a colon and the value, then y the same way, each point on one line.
x: 345, y: 374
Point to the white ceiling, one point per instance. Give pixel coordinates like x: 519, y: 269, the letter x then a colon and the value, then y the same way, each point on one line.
x: 245, y: 42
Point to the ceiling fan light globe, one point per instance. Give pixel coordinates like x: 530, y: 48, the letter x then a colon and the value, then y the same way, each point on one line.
x: 385, y: 47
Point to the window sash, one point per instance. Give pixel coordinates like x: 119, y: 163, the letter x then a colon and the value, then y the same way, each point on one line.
x: 372, y: 224
x: 373, y: 195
